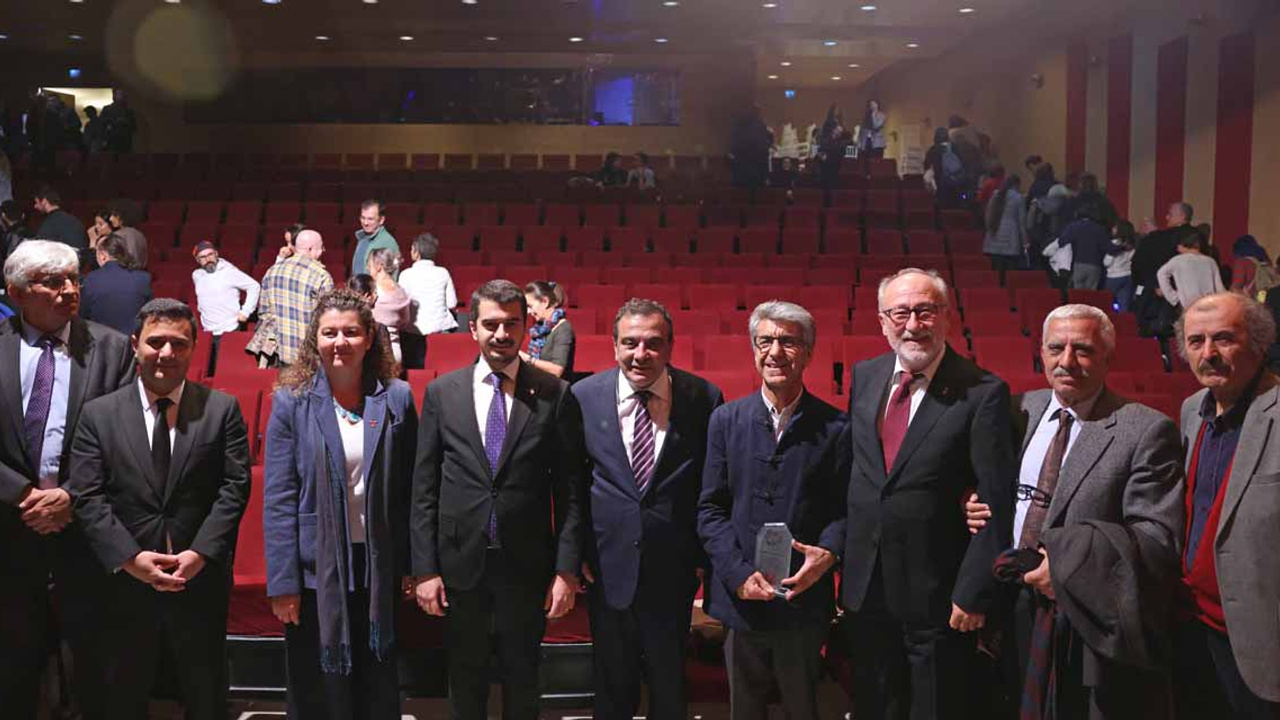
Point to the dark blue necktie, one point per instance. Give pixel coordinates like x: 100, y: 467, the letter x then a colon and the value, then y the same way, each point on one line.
x: 37, y: 415
x: 495, y: 433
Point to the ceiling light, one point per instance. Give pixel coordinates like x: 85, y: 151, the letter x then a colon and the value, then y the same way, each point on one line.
x: 491, y: 38
x: 769, y: 5
x: 322, y: 37
x: 270, y: 2
x: 854, y: 65
x: 966, y: 10
x: 660, y: 40
x: 835, y: 77
x: 370, y: 2
x: 174, y: 2
x: 405, y: 38
x: 670, y: 3
x: 829, y: 43
x: 868, y: 8
x: 76, y: 2
x: 470, y: 2
x: 575, y: 39
x: 913, y: 45
x: 73, y: 36
x: 773, y: 77
x: 3, y: 36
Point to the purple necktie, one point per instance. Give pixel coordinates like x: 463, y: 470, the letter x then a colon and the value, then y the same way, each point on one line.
x: 642, y: 442
x: 495, y: 433
x: 37, y: 416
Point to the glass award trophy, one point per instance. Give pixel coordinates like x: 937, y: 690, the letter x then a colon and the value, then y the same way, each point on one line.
x: 773, y: 555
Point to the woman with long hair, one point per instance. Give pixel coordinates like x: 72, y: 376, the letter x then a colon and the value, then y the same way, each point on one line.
x: 551, y: 339
x: 1006, y: 238
x: 1119, y: 265
x: 340, y: 451
x: 832, y: 141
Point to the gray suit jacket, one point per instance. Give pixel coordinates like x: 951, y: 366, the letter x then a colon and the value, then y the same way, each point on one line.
x: 1248, y: 536
x: 1114, y: 530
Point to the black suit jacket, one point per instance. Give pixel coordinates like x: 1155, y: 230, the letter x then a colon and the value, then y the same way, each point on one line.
x: 654, y: 536
x: 541, y: 470
x: 113, y: 295
x: 204, y: 496
x: 101, y: 362
x: 909, y: 518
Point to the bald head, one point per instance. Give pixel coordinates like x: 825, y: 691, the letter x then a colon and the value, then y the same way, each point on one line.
x: 309, y: 243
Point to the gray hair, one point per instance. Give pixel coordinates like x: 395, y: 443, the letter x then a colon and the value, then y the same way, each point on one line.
x: 939, y: 284
x: 426, y: 245
x: 1258, y: 321
x: 1079, y: 311
x: 39, y: 257
x: 782, y: 311
x: 386, y: 258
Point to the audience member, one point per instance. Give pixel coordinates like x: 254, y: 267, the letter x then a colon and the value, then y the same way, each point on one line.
x: 290, y: 290
x: 13, y: 228
x: 162, y: 519
x: 497, y: 538
x: 58, y: 224
x: 431, y: 288
x: 643, y: 555
x: 392, y: 306
x: 124, y: 212
x: 914, y: 590
x: 1189, y: 275
x: 786, y: 176
x: 95, y: 132
x: 1118, y: 262
x: 1090, y: 240
x: 1157, y: 248
x: 6, y: 176
x: 551, y: 339
x: 1227, y: 660
x: 641, y: 175
x: 611, y: 173
x: 943, y: 164
x: 1251, y: 270
x: 778, y: 458
x: 1092, y: 200
x: 1060, y: 259
x: 1115, y: 526
x: 1006, y: 239
x: 335, y: 583
x: 367, y: 288
x: 992, y: 181
x: 871, y: 138
x: 371, y: 236
x: 833, y: 140
x: 749, y: 144
x: 218, y: 285
x: 120, y: 121
x: 135, y: 245
x: 115, y: 292
x: 47, y: 349
x: 967, y: 142
x: 290, y: 234
x: 100, y: 229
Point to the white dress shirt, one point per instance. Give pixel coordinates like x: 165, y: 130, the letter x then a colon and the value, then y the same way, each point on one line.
x: 918, y: 386
x: 55, y: 426
x: 780, y: 418
x: 353, y: 452
x: 149, y: 410
x: 659, y: 407
x: 431, y: 289
x: 482, y: 391
x: 1038, y: 448
x: 218, y: 296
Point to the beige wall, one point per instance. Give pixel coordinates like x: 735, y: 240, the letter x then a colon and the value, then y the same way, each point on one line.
x: 1264, y: 210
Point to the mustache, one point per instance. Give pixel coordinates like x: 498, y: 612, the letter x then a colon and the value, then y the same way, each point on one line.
x: 1063, y: 372
x: 1216, y: 364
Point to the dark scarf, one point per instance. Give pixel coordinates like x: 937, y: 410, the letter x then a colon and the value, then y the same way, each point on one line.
x: 1050, y: 645
x: 334, y: 582
x: 539, y: 333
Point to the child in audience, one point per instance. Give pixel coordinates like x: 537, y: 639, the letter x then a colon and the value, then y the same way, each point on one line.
x: 1117, y: 263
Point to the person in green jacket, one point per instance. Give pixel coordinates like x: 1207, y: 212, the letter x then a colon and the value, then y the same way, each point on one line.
x: 371, y: 235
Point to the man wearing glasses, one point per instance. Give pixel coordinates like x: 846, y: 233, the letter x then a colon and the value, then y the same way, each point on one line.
x: 51, y: 363
x: 1097, y: 527
x: 926, y: 423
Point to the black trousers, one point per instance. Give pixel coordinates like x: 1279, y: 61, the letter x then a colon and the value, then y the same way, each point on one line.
x: 1207, y: 682
x: 791, y: 657
x: 141, y: 628
x: 644, y: 641
x: 905, y: 670
x: 28, y: 637
x: 505, y: 612
x: 370, y: 692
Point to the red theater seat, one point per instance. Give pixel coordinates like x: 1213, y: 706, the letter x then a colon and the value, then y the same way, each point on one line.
x: 734, y: 384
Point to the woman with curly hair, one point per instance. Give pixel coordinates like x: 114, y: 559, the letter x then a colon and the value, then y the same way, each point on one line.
x: 339, y: 458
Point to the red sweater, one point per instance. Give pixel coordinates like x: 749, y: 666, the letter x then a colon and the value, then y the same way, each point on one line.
x: 1203, y: 599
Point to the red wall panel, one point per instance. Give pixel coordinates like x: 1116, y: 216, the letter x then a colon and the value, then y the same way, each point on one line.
x: 1119, y: 120
x: 1171, y: 124
x: 1077, y: 105
x: 1233, y: 165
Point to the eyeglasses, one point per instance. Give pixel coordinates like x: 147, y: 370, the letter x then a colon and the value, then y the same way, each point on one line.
x: 1037, y: 496
x: 925, y: 313
x: 57, y: 282
x: 789, y: 343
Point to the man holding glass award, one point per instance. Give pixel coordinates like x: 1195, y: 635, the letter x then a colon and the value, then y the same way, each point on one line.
x: 771, y: 517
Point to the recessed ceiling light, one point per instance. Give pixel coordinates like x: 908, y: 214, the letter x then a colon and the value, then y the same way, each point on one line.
x: 470, y: 2
x: 73, y: 36
x: 769, y: 5
x: 406, y: 38
x: 829, y: 43
x: 322, y: 37
x: 3, y: 36
x: 773, y: 77
x: 174, y: 2
x: 270, y: 2
x: 966, y: 10
x: 76, y: 2
x: 575, y: 39
x: 785, y: 63
x: 660, y: 40
x: 913, y: 45
x: 835, y: 77
x: 370, y: 2
x: 868, y: 8
x: 670, y: 3
x: 854, y: 65
x: 491, y: 38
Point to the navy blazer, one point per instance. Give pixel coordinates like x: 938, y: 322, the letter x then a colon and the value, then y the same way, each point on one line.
x: 654, y: 536
x: 750, y: 480
x: 113, y: 295
x: 298, y: 422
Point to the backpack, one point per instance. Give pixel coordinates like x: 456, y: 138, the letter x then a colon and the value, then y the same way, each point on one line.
x: 1264, y: 278
x: 952, y: 167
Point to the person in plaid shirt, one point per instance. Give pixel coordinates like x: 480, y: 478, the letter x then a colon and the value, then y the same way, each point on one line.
x: 289, y: 292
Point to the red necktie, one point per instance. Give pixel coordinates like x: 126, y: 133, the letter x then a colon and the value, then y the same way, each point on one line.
x: 897, y: 418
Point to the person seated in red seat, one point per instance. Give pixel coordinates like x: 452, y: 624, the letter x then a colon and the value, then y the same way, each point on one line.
x: 551, y: 339
x: 340, y: 451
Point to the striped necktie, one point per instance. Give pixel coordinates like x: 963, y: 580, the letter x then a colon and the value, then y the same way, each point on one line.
x: 642, y: 456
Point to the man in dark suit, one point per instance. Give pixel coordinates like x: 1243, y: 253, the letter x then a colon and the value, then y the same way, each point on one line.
x: 499, y: 448
x: 118, y: 288
x: 778, y: 457
x: 53, y: 363
x: 646, y: 439
x: 58, y: 224
x: 926, y: 424
x: 1099, y: 498
x: 160, y: 479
